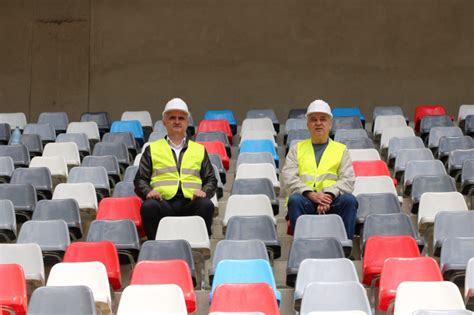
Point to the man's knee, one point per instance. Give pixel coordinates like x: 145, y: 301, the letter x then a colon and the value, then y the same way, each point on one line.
x: 295, y: 200
x: 347, y: 201
x: 149, y: 207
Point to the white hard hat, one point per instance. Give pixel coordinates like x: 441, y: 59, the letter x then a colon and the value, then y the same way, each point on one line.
x: 176, y: 104
x: 319, y: 106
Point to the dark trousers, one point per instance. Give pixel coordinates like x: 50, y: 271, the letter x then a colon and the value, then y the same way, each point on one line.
x: 344, y: 205
x: 152, y: 211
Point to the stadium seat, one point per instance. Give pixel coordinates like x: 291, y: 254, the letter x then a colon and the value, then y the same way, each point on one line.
x: 7, y: 221
x: 371, y: 168
x: 297, y: 113
x: 429, y: 183
x: 130, y: 173
x: 261, y: 170
x: 156, y: 135
x: 60, y: 209
x: 190, y: 228
x: 90, y: 128
x: 132, y: 126
x: 386, y: 121
x: 5, y: 133
x: 359, y: 143
x: 451, y: 224
x: 454, y: 257
x: 310, y: 248
x: 23, y: 197
x: 52, y: 236
x: 121, y: 208
x: 102, y: 119
x: 438, y: 295
x: 215, y: 136
x: 216, y: 160
x: 393, y: 224
x: 143, y: 117
x: 364, y: 154
x: 91, y: 274
x: 122, y: 233
x: 217, y: 147
x: 255, y: 228
x: 14, y: 119
x: 347, y: 112
x: 406, y: 155
x: 166, y: 272
x: 222, y: 114
x: 119, y: 150
x: 18, y: 152
x: 392, y: 132
x: 152, y: 299
x: 244, y: 271
x: 398, y: 270
x: 59, y: 120
x: 248, y: 205
x: 345, y: 122
x: 294, y: 124
x: 376, y: 203
x: 260, y: 146
x: 429, y: 122
x: 433, y: 202
x: 111, y: 165
x: 39, y: 177
x: 318, y: 226
x: 103, y: 251
x: 56, y: 165
x: 83, y: 193
x: 124, y: 189
x: 373, y: 184
x: 169, y: 250
x: 464, y: 111
x: 72, y: 300
x: 244, y: 298
x: 45, y: 131
x: 427, y: 110
x: 250, y: 186
x: 6, y: 169
x: 265, y: 113
x: 437, y: 133
x: 338, y: 296
x: 396, y: 144
x: 379, y: 248
x: 29, y: 257
x: 323, y: 270
x: 33, y: 144
x: 456, y: 159
x: 80, y: 139
x: 467, y: 177
x: 96, y: 175
x: 259, y: 124
x: 449, y: 144
x: 424, y: 167
x: 258, y: 135
x: 13, y: 291
x: 122, y: 137
x: 221, y: 125
x: 343, y: 135
x: 68, y: 150
x: 469, y: 125
x: 256, y: 158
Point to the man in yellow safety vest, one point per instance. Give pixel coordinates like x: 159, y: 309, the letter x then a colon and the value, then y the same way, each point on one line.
x: 175, y: 176
x: 318, y: 173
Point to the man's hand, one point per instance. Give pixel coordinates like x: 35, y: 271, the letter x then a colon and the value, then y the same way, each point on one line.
x: 322, y: 209
x: 198, y: 194
x: 319, y: 198
x: 153, y: 195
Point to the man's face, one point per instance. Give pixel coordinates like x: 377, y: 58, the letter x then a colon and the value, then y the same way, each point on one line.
x: 319, y: 125
x: 176, y: 123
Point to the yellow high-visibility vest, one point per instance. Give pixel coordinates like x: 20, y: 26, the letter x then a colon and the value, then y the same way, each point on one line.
x: 325, y: 174
x: 166, y: 179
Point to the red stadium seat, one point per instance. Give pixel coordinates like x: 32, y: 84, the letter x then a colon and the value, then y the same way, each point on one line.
x: 13, y: 292
x: 166, y: 272
x: 398, y: 270
x: 379, y: 248
x: 118, y: 208
x: 427, y: 110
x: 217, y: 147
x: 372, y: 168
x: 244, y: 297
x: 216, y: 125
x: 104, y: 252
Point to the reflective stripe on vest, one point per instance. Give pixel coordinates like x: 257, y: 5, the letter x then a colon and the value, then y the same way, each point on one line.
x: 325, y: 174
x: 165, y: 176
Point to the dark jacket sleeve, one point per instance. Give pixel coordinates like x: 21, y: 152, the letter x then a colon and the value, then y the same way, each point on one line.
x: 209, y: 180
x: 143, y: 176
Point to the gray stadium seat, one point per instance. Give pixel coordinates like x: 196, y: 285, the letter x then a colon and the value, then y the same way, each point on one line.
x: 451, y: 224
x: 345, y: 122
x: 7, y: 221
x: 396, y: 144
x: 122, y: 137
x: 118, y: 150
x: 262, y: 113
x: 429, y: 183
x: 5, y: 133
x: 23, y: 197
x: 6, y: 169
x: 130, y: 173
x: 348, y: 134
x: 359, y: 143
x: 437, y: 132
x: 39, y: 177
x: 406, y: 155
x: 72, y: 300
x: 96, y: 175
x: 18, y: 153
x: 416, y: 168
x: 449, y: 144
x: 378, y: 203
x: 428, y: 122
x: 467, y: 177
x: 250, y: 186
x: 109, y: 162
x: 45, y: 131
x: 60, y: 209
x: 102, y: 119
x: 59, y: 120
x: 456, y: 159
x: 80, y: 139
x: 455, y: 254
x: 33, y: 143
x: 124, y: 189
x: 216, y: 160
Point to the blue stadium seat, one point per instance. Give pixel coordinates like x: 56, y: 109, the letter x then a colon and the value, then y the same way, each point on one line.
x: 260, y: 146
x: 226, y: 114
x: 348, y: 111
x: 132, y: 126
x: 244, y: 271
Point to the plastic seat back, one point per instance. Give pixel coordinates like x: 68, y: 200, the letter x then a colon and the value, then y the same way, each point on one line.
x: 364, y: 154
x: 373, y: 184
x: 83, y: 193
x: 430, y: 183
x: 23, y: 197
x: 455, y: 255
x: 6, y: 168
x: 68, y: 150
x: 248, y: 205
x: 14, y: 119
x: 13, y: 291
x: 217, y: 147
x: 427, y: 110
x: 7, y: 220
x: 451, y: 224
x: 124, y: 189
x: 132, y: 126
x: 343, y: 135
x: 437, y: 132
x: 60, y: 209
x: 113, y: 208
x: 377, y: 203
x: 386, y: 121
x: 59, y: 120
x: 221, y: 125
x: 51, y: 236
x: 396, y: 144
x: 102, y: 119
x: 433, y: 202
x: 73, y: 300
x: 122, y: 233
x: 429, y: 122
x: 39, y: 177
x: 103, y: 251
x: 90, y: 128
x: 424, y: 167
x: 45, y: 131
x: 143, y: 117
x: 80, y: 139
x: 392, y: 132
x: 57, y: 165
x: 29, y: 257
x: 18, y: 152
x: 5, y: 133
x: 118, y: 150
x: 121, y: 137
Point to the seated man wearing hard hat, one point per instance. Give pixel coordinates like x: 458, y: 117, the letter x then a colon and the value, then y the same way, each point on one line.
x: 318, y: 173
x: 175, y: 176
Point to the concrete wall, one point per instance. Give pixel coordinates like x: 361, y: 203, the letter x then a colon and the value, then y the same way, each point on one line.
x: 118, y: 55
